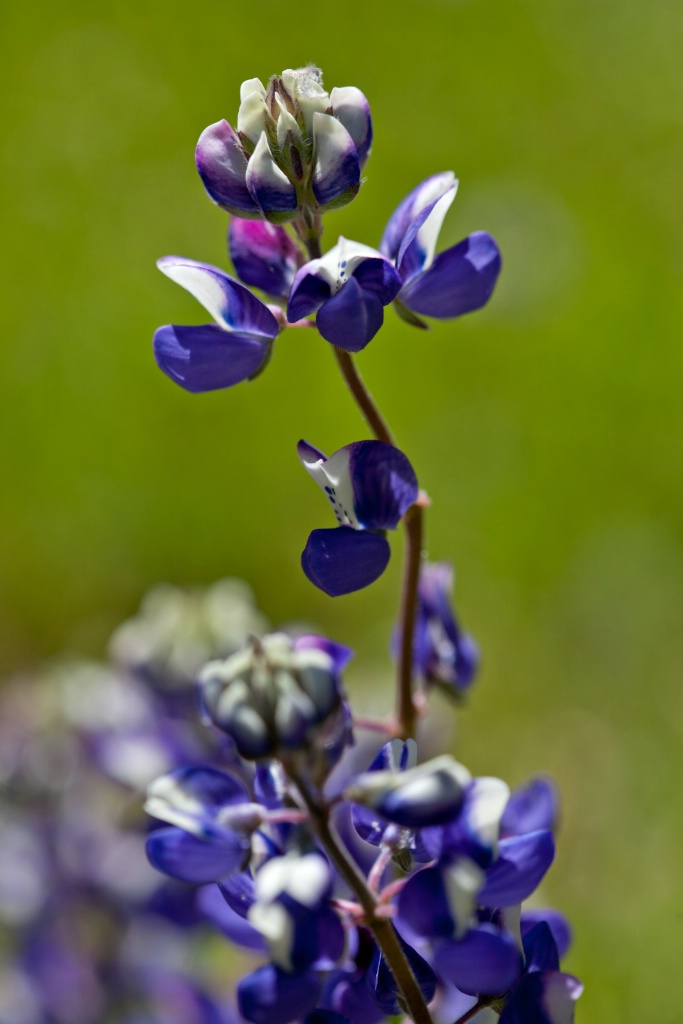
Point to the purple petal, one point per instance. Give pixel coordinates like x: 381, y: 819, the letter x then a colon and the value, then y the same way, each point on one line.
x: 336, y: 175
x: 459, y: 280
x: 530, y: 808
x: 231, y: 305
x: 521, y: 864
x: 540, y: 949
x: 350, y: 996
x: 222, y: 167
x: 486, y: 961
x: 207, y: 358
x: 233, y: 925
x: 270, y: 996
x: 379, y: 277
x: 239, y: 892
x: 308, y: 293
x: 383, y: 985
x: 427, y: 797
x: 325, y: 1017
x: 384, y: 484
x: 342, y: 560
x: 557, y: 922
x: 351, y: 318
x: 263, y: 254
x: 423, y: 903
x: 183, y: 856
x: 350, y: 106
x: 269, y: 186
x: 544, y: 997
x: 424, y: 194
x: 194, y: 797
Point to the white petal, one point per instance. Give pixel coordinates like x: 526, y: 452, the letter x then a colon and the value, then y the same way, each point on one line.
x: 305, y: 86
x: 286, y: 123
x: 333, y: 477
x: 428, y: 233
x: 489, y: 798
x: 275, y: 924
x: 252, y: 85
x: 251, y: 116
x: 263, y: 174
x: 463, y: 882
x: 202, y: 281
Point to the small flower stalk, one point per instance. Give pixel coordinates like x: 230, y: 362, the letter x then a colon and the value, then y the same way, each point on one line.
x: 372, y: 883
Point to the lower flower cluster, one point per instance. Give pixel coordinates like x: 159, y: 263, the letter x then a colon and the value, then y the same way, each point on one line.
x: 316, y: 854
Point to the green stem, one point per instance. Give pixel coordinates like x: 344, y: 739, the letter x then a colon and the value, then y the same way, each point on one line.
x: 382, y: 929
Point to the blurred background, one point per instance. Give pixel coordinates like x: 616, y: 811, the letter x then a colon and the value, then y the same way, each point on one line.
x: 547, y: 429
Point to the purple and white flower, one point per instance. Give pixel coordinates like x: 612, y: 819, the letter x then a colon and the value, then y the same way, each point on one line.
x: 457, y: 281
x: 370, y: 485
x: 295, y: 147
x: 234, y: 348
x: 264, y: 255
x: 348, y: 289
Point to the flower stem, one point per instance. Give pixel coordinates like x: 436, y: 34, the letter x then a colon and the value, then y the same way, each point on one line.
x: 362, y: 396
x: 382, y: 929
x: 405, y: 702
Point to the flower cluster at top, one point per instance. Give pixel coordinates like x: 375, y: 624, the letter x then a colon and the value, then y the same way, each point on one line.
x: 371, y: 882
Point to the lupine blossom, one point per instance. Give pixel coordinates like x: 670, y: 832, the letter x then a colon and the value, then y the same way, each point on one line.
x: 370, y: 485
x: 457, y: 281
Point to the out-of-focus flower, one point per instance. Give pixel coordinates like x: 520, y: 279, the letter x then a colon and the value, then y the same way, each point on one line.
x: 348, y: 289
x: 443, y: 654
x: 370, y: 485
x: 218, y: 355
x: 457, y: 281
x: 296, y: 148
x: 275, y: 698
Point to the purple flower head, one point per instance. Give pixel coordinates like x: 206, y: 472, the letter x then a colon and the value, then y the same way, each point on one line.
x: 292, y: 913
x: 274, y: 699
x: 210, y: 824
x: 428, y: 794
x: 455, y: 282
x: 295, y: 147
x: 370, y: 485
x: 444, y: 655
x: 264, y: 255
x: 348, y: 288
x: 218, y: 355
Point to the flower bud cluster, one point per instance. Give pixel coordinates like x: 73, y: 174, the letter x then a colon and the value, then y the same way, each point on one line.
x: 297, y: 150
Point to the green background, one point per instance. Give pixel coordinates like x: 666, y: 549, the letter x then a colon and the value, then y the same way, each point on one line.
x: 547, y: 428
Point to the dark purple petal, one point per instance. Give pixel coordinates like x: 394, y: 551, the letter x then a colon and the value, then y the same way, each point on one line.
x: 350, y: 106
x: 336, y: 175
x: 557, y: 922
x: 222, y: 167
x: 264, y: 255
x: 183, y: 856
x: 342, y: 560
x: 351, y: 318
x: 233, y: 925
x: 207, y: 358
x: 428, y: 798
x: 384, y: 484
x: 423, y: 903
x: 368, y: 823
x: 475, y: 832
x: 486, y: 961
x: 307, y: 295
x: 270, y: 996
x: 195, y: 798
x: 544, y: 997
x: 379, y: 277
x: 531, y: 807
x: 540, y: 949
x: 521, y: 864
x: 423, y: 195
x: 350, y: 996
x: 443, y: 654
x: 325, y: 1017
x: 239, y: 892
x: 459, y: 280
x: 383, y: 985
x: 419, y: 242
